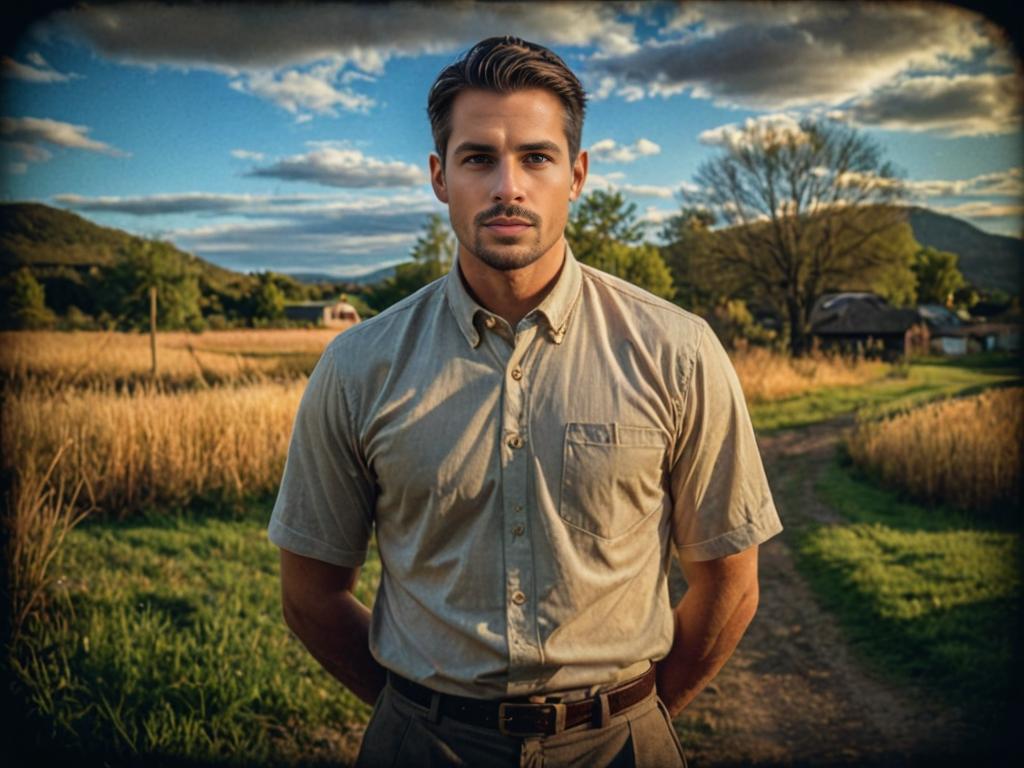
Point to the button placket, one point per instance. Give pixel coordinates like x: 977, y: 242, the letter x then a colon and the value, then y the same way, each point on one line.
x: 520, y: 608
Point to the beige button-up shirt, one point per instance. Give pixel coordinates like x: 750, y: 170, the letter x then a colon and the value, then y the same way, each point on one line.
x: 526, y: 484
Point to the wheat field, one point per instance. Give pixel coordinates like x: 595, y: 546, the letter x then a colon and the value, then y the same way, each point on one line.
x: 52, y: 360
x: 767, y: 375
x: 964, y: 452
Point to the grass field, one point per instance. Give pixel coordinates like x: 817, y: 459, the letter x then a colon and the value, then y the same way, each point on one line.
x: 170, y: 644
x: 159, y: 635
x: 930, y: 595
x: 901, y: 387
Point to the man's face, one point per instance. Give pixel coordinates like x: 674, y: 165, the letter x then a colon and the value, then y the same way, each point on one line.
x: 507, y: 178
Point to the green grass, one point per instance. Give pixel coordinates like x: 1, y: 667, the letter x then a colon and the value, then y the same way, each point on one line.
x: 906, y: 386
x: 928, y: 595
x: 171, y: 643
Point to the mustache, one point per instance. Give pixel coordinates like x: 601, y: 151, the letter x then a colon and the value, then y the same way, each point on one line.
x: 508, y: 211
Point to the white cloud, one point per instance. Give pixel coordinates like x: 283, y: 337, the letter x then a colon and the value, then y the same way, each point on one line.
x: 343, y: 168
x: 609, y: 151
x: 958, y: 105
x: 245, y: 154
x: 653, y: 216
x: 303, y: 93
x: 37, y: 71
x: 736, y: 136
x: 981, y: 209
x: 23, y: 135
x: 1008, y: 183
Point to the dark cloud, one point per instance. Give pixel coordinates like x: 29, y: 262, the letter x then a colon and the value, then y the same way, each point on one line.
x: 964, y: 105
x: 783, y: 55
x: 238, y: 36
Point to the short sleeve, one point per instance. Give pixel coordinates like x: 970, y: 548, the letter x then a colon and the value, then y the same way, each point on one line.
x: 324, y: 508
x: 720, y: 496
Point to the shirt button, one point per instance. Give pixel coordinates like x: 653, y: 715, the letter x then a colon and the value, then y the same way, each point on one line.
x: 519, y: 508
x: 518, y: 530
x: 518, y: 597
x: 517, y: 373
x: 515, y: 441
x: 489, y: 321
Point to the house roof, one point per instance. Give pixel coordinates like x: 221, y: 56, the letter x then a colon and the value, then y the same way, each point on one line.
x: 859, y: 314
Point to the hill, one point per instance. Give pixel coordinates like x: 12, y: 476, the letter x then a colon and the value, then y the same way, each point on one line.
x: 51, y: 241
x: 988, y: 261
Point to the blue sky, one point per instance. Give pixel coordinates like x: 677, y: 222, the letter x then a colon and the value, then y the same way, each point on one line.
x: 295, y: 138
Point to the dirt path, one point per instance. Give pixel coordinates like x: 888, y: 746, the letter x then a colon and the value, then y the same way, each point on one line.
x: 794, y: 693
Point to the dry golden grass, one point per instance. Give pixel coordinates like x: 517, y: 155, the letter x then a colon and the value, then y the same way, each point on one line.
x: 41, y: 510
x: 149, y: 447
x: 965, y: 453
x: 54, y: 360
x: 767, y: 375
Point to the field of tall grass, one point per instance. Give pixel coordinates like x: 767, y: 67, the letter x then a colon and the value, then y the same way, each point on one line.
x: 49, y: 361
x: 131, y: 450
x: 144, y: 589
x: 768, y: 376
x: 964, y: 452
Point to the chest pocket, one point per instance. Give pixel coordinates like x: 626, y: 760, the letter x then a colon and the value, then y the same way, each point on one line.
x: 611, y: 477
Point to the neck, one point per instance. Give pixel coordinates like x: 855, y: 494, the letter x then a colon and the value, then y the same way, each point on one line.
x: 512, y: 294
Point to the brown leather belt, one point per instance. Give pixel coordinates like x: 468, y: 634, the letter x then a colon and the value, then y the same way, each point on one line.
x: 525, y: 718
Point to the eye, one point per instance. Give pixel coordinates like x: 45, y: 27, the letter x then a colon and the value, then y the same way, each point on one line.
x: 536, y: 158
x: 477, y: 160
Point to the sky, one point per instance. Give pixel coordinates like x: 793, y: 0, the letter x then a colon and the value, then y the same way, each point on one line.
x: 294, y: 138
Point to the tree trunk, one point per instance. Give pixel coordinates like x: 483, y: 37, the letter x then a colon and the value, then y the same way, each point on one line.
x: 797, y: 328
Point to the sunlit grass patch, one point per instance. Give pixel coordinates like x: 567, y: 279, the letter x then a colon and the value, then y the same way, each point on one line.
x: 915, y: 384
x: 169, y: 641
x: 928, y: 594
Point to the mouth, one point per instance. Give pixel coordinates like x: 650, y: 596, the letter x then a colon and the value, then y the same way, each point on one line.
x: 507, y: 227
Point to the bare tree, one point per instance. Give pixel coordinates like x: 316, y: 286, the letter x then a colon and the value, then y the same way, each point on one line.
x: 806, y: 208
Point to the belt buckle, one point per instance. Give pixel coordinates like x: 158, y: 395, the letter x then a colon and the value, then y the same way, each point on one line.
x: 504, y: 717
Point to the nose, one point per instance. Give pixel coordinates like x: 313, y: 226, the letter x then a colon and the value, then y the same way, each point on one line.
x: 508, y: 183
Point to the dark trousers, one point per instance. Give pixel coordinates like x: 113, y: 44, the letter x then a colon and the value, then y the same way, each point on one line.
x: 403, y: 733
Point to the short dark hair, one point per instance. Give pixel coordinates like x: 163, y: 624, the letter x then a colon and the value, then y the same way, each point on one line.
x: 503, y: 65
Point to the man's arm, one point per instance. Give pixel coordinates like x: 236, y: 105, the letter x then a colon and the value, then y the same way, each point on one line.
x: 321, y: 610
x: 720, y: 601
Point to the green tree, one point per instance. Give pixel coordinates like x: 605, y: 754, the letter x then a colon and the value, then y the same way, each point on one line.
x: 432, y: 256
x: 599, y: 219
x: 25, y: 306
x: 604, y: 233
x: 938, y: 278
x: 266, y: 300
x: 803, y: 209
x: 687, y: 241
x: 152, y: 263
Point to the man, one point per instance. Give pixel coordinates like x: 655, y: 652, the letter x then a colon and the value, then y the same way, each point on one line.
x: 530, y: 438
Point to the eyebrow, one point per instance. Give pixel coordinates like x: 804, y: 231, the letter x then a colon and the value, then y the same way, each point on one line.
x: 535, y: 146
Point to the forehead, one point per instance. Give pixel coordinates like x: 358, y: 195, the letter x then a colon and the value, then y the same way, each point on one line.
x: 533, y: 114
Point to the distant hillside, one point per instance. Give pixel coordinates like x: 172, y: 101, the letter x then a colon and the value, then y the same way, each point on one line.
x: 45, y: 238
x: 988, y: 261
x: 320, y: 277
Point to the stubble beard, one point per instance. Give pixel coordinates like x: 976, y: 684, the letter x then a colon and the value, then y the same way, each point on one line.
x: 516, y: 254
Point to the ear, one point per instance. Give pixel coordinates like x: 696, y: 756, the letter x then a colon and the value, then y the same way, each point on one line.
x: 579, y: 175
x: 437, y: 180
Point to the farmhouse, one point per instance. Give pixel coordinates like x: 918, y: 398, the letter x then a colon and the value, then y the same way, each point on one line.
x: 864, y: 322
x: 330, y: 314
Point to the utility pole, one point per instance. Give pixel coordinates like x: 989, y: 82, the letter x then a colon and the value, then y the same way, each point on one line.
x: 152, y: 327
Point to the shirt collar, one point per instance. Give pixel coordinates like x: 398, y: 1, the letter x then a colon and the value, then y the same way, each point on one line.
x: 556, y: 307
